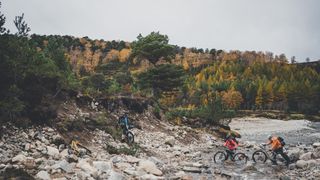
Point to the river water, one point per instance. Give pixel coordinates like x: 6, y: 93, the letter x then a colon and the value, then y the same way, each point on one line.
x: 293, y: 131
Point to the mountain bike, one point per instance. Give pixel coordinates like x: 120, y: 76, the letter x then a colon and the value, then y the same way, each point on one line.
x: 129, y: 135
x: 122, y: 121
x: 221, y: 156
x: 262, y: 154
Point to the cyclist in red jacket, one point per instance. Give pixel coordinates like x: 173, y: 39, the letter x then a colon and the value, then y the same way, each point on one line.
x: 231, y: 144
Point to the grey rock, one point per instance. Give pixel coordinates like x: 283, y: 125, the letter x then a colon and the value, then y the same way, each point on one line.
x: 306, y: 156
x: 52, y: 151
x: 86, y: 167
x: 316, y: 144
x: 150, y: 177
x: 43, y: 175
x: 170, y: 141
x: 116, y: 176
x: 316, y: 153
x: 64, y: 165
x: 20, y: 158
x: 302, y: 164
x: 102, y: 166
x: 149, y: 167
x: 192, y: 169
x: 72, y: 158
x: 131, y: 159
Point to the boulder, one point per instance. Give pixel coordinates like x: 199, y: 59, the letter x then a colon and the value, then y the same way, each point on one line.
x: 20, y: 158
x: 123, y: 165
x: 316, y: 144
x: 64, y: 165
x: 294, y: 154
x: 301, y: 164
x: 316, y: 153
x: 86, y: 167
x: 43, y: 175
x: 30, y: 163
x: 64, y: 153
x: 306, y: 156
x: 170, y: 141
x: 116, y: 176
x: 52, y: 151
x: 102, y: 166
x: 132, y: 159
x: 72, y: 158
x: 149, y: 167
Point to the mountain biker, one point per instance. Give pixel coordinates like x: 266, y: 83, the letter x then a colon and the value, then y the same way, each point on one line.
x: 277, y: 148
x: 124, y: 124
x: 231, y: 143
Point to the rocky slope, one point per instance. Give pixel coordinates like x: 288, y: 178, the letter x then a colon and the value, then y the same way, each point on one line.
x: 162, y: 151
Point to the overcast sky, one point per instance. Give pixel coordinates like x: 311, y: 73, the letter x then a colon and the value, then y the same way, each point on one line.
x: 280, y: 26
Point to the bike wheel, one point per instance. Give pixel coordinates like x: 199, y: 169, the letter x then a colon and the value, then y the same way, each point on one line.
x: 219, y: 157
x: 240, y: 158
x: 130, y: 137
x: 259, y: 156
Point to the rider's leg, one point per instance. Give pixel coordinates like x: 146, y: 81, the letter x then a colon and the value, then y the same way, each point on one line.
x: 285, y: 156
x: 230, y: 153
x: 274, y: 157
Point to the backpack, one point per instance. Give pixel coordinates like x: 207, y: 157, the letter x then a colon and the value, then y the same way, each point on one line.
x: 281, y: 141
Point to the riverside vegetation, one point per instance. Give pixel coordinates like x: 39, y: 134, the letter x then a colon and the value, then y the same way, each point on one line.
x: 59, y: 86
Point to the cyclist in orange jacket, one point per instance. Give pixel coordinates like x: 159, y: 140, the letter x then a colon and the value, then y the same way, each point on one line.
x: 277, y: 148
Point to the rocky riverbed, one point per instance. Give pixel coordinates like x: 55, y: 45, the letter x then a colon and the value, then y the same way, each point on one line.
x: 162, y: 151
x: 294, y: 131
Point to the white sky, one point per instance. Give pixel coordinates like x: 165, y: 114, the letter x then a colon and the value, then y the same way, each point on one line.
x: 280, y: 26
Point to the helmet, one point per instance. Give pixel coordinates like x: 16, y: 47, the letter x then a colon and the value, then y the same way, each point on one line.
x: 269, y: 137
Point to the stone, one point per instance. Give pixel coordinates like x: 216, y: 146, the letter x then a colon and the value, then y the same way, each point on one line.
x: 149, y: 167
x: 150, y: 177
x: 316, y: 153
x: 312, y: 163
x: 316, y: 144
x: 72, y: 158
x: 123, y: 165
x: 192, y: 169
x: 64, y: 153
x: 52, y: 151
x: 301, y: 164
x: 43, y: 175
x: 20, y: 158
x: 155, y: 160
x: 132, y: 159
x: 116, y: 176
x: 294, y: 154
x: 86, y: 167
x: 284, y: 177
x: 27, y: 147
x: 64, y: 165
x: 170, y: 141
x: 102, y: 166
x: 306, y: 156
x: 30, y: 163
x: 249, y: 167
x: 57, y: 139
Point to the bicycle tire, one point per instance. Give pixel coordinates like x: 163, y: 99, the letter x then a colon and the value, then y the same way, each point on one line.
x: 240, y: 158
x: 219, y: 157
x: 130, y: 137
x: 259, y: 156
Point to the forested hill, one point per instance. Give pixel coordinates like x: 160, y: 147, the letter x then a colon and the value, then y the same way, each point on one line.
x: 39, y: 72
x: 211, y: 84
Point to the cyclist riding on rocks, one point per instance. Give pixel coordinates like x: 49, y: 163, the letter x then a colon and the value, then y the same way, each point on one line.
x: 277, y: 144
